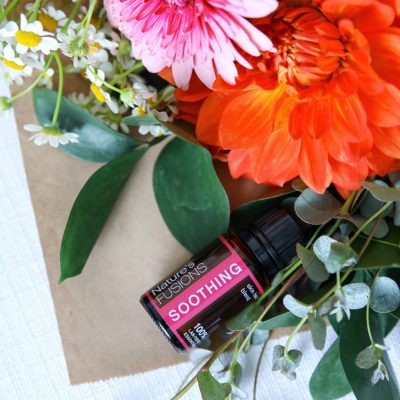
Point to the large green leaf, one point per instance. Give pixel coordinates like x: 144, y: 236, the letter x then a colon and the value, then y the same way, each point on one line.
x: 97, y: 142
x: 91, y: 211
x: 190, y: 196
x: 378, y: 254
x: 329, y: 382
x: 284, y: 320
x: 353, y: 339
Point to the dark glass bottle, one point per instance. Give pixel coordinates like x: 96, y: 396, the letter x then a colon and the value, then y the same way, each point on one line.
x: 216, y: 284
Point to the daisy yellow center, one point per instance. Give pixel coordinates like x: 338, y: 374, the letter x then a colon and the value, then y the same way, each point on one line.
x: 48, y: 22
x: 98, y: 93
x: 141, y: 111
x: 94, y: 47
x: 48, y: 130
x: 13, y: 65
x: 28, y: 39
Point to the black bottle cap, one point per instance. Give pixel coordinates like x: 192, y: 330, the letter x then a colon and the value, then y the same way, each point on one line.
x: 273, y: 238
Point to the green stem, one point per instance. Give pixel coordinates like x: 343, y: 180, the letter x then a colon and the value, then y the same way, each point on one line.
x: 134, y: 68
x: 60, y: 90
x: 35, y: 82
x: 293, y: 334
x: 258, y: 369
x: 88, y: 20
x: 233, y: 363
x: 371, y: 338
x: 8, y: 9
x: 396, y: 245
x: 72, y: 16
x: 34, y: 12
x: 106, y: 84
x: 165, y: 94
x: 345, y: 211
x: 369, y: 220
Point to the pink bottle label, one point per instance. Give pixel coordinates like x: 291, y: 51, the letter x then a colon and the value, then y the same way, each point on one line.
x: 195, y: 287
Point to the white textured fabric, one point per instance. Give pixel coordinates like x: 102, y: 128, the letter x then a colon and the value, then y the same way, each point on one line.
x: 32, y: 364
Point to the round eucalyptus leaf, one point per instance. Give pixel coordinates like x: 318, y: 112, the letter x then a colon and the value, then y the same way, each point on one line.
x: 356, y: 295
x: 368, y: 357
x: 340, y: 256
x: 295, y: 356
x: 314, y: 268
x: 385, y: 295
x: 296, y: 307
x: 259, y: 337
x: 382, y: 193
x: 316, y: 209
x: 371, y: 204
x: 322, y: 247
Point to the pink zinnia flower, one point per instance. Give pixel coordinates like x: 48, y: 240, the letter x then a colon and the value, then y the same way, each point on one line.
x: 201, y: 35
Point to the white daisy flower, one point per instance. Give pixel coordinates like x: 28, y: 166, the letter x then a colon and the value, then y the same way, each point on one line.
x: 28, y: 36
x: 53, y: 136
x: 13, y: 68
x: 93, y: 51
x: 51, y: 18
x: 154, y: 130
x: 97, y: 79
x: 81, y: 99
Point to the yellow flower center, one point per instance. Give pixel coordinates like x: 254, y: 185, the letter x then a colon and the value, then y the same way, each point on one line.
x: 13, y: 65
x: 48, y: 22
x: 98, y: 93
x: 28, y: 39
x: 141, y: 111
x: 94, y: 47
x: 50, y: 131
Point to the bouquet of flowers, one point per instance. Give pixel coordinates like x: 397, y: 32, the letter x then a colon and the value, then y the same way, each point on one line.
x: 300, y: 94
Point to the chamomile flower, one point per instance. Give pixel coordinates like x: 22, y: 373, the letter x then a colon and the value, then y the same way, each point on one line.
x: 51, y: 18
x: 12, y: 67
x: 53, y: 136
x: 28, y: 36
x: 97, y: 79
x: 154, y: 130
x: 92, y: 51
x: 111, y: 119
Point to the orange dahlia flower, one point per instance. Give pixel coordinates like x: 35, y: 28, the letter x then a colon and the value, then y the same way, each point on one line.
x: 325, y: 106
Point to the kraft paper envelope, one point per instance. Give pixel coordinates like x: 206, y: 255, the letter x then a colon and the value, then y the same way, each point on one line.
x: 105, y: 331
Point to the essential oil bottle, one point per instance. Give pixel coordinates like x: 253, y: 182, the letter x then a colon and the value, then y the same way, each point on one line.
x: 216, y: 284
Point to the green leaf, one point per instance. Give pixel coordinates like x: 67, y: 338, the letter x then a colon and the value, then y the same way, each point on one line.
x: 356, y: 295
x: 322, y: 247
x: 210, y: 388
x: 385, y: 295
x: 285, y: 320
x: 379, y: 255
x: 245, y: 318
x: 381, y: 230
x: 190, y: 196
x: 329, y: 382
x: 317, y: 209
x: 139, y: 120
x: 91, y: 211
x: 382, y: 193
x: 395, y: 314
x: 252, y: 210
x: 353, y: 339
x: 296, y: 307
x: 318, y: 330
x: 259, y: 336
x: 97, y: 142
x: 371, y: 205
x: 368, y: 357
x: 314, y: 268
x: 340, y: 256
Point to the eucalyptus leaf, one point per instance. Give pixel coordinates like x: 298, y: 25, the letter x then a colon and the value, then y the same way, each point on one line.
x: 314, y: 268
x: 341, y: 256
x: 317, y: 209
x: 295, y: 356
x: 139, y: 120
x: 356, y: 295
x: 328, y: 381
x: 368, y: 357
x: 296, y: 307
x: 245, y: 318
x: 91, y: 211
x: 382, y: 193
x: 381, y: 230
x: 97, y: 142
x: 318, y: 330
x: 385, y: 295
x: 190, y: 196
x: 322, y: 247
x: 210, y: 388
x: 237, y: 373
x: 259, y: 336
x: 371, y: 204
x: 353, y: 339
x: 284, y: 320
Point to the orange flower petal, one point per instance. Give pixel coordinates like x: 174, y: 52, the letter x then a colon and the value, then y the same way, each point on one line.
x: 349, y: 176
x: 275, y: 161
x: 387, y: 140
x: 248, y: 118
x: 379, y: 163
x: 345, y: 83
x: 384, y: 108
x: 313, y: 165
x: 367, y: 15
x: 239, y: 162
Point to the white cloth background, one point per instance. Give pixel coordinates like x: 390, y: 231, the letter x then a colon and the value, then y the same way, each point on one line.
x: 32, y: 364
